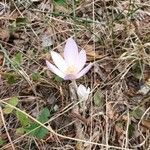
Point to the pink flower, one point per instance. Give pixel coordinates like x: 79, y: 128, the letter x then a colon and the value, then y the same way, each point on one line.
x: 71, y: 66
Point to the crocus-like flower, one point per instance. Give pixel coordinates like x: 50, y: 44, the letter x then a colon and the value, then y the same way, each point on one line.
x: 83, y: 92
x: 71, y: 66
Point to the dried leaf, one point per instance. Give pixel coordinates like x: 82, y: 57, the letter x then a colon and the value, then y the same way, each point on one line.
x: 1, y: 59
x: 110, y: 111
x: 146, y: 123
x: 4, y: 34
x: 91, y: 54
x: 119, y: 127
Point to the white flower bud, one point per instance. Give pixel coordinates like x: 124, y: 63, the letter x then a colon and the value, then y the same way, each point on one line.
x: 83, y: 92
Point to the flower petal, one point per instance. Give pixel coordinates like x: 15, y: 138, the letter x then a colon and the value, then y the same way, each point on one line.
x: 81, y: 90
x: 81, y: 60
x: 70, y: 77
x: 59, y: 61
x: 88, y: 90
x: 55, y: 70
x: 71, y: 52
x: 84, y: 71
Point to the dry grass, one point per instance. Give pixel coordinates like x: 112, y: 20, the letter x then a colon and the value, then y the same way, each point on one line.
x: 115, y: 35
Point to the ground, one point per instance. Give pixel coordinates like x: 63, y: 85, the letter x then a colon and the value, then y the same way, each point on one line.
x: 39, y: 110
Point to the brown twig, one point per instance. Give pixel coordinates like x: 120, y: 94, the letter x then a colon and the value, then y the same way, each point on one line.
x: 9, y: 138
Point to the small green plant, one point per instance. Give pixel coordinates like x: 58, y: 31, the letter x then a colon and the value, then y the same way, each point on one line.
x: 137, y: 113
x: 18, y: 23
x: 40, y: 132
x: 2, y: 142
x: 11, y: 77
x: 60, y: 2
x: 36, y: 76
x: 27, y: 126
x: 17, y: 59
x: 98, y: 99
x: 13, y: 101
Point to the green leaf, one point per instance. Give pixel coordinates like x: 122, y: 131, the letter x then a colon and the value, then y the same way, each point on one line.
x: 137, y: 113
x: 32, y: 127
x: 137, y: 70
x: 44, y: 115
x: 24, y: 120
x: 10, y: 77
x: 2, y: 142
x: 21, y: 21
x: 131, y: 130
x: 98, y: 99
x: 36, y: 76
x: 17, y: 59
x: 12, y: 26
x: 20, y: 130
x: 13, y: 101
x: 58, y: 79
x: 41, y: 132
x: 60, y: 2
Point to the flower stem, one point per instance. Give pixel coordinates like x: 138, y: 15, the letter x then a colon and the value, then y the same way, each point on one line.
x: 74, y: 85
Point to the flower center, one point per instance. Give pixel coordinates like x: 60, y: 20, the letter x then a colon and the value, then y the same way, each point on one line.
x: 71, y: 70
